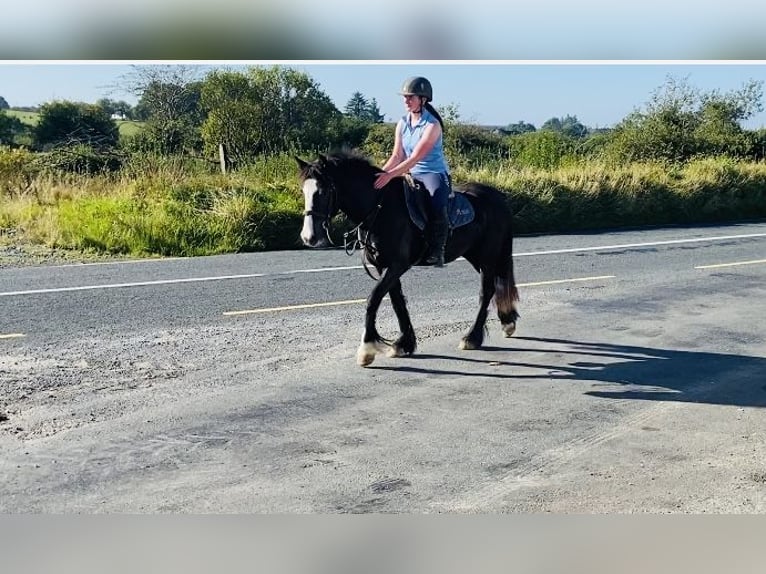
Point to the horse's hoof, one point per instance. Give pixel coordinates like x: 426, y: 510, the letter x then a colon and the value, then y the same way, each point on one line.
x: 365, y: 354
x: 466, y: 345
x: 394, y: 351
x: 509, y: 329
x: 364, y: 360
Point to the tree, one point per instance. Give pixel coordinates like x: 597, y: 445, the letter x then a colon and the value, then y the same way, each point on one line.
x: 373, y: 112
x: 720, y: 117
x: 680, y: 122
x: 568, y: 125
x: 356, y: 107
x: 360, y: 108
x: 169, y: 103
x: 266, y: 110
x: 112, y: 107
x: 520, y: 127
x: 4, y: 104
x: 65, y: 123
x: 10, y: 127
x: 107, y: 105
x: 551, y: 125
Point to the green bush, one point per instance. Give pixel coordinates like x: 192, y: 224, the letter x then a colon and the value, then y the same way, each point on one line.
x: 379, y: 142
x: 18, y: 168
x: 66, y: 123
x: 473, y: 147
x: 542, y: 149
x: 82, y: 159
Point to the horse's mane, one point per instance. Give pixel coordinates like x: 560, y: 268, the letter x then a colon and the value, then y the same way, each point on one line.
x: 352, y: 160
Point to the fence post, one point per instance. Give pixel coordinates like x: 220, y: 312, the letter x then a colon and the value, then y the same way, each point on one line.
x: 222, y: 157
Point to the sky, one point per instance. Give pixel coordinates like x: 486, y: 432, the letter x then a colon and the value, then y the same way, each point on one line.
x: 484, y: 92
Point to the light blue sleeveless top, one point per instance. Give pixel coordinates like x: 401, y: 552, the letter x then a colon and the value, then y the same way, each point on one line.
x: 434, y: 161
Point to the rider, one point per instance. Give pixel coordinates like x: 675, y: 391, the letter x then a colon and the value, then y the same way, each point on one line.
x: 418, y: 148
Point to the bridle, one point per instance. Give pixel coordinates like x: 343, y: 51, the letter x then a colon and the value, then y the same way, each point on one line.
x: 362, y: 230
x: 326, y: 216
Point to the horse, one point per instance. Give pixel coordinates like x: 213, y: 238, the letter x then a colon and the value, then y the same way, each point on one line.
x: 393, y: 243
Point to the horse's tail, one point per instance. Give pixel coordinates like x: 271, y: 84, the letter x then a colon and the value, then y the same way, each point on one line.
x: 506, y: 293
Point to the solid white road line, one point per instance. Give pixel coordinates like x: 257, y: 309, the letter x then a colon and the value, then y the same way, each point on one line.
x: 736, y: 263
x: 138, y: 284
x: 574, y: 280
x: 648, y: 244
x: 345, y: 268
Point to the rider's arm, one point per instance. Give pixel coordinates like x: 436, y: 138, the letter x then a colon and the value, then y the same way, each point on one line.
x: 397, y: 155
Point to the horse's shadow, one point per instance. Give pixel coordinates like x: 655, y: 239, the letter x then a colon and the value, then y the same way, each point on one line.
x: 643, y: 373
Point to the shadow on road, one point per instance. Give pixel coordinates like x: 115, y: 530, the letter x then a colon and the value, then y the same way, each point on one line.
x: 642, y: 373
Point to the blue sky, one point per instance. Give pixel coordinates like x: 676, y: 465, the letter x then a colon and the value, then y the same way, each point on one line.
x: 599, y: 94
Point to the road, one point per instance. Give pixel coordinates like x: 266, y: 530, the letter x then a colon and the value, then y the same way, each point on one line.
x: 636, y: 383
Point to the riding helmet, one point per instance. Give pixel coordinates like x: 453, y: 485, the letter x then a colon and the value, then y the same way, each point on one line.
x: 418, y: 86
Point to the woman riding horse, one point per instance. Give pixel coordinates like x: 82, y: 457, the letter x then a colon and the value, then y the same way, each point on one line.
x: 393, y: 243
x: 419, y: 150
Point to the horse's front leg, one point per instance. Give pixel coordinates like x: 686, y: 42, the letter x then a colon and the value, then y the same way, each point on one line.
x: 406, y: 343
x: 372, y: 342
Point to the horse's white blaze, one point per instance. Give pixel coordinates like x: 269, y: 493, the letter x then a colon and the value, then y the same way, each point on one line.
x: 308, y: 235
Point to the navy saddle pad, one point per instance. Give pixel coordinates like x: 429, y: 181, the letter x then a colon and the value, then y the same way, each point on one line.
x: 459, y: 208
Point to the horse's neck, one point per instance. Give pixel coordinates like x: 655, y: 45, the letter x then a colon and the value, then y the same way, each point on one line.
x: 359, y: 201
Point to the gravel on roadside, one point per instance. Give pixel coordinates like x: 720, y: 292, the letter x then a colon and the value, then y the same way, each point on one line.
x: 14, y: 253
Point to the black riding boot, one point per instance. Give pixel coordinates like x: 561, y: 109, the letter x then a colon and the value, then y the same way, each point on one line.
x: 437, y: 237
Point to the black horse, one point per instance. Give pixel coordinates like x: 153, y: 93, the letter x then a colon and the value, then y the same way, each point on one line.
x: 343, y: 181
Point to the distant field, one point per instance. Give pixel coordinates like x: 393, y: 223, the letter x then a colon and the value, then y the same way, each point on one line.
x: 29, y: 118
x: 127, y: 127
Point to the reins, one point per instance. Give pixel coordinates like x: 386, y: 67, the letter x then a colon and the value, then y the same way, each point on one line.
x: 361, y: 231
x: 362, y: 240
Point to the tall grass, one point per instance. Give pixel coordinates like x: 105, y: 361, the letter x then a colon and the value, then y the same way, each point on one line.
x: 161, y: 206
x: 592, y: 195
x: 175, y: 206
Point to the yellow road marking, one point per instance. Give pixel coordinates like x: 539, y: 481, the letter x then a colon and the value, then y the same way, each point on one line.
x: 292, y: 307
x: 717, y: 265
x: 357, y: 301
x: 12, y: 336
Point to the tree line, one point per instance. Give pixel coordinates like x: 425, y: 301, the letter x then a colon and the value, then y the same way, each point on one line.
x: 272, y: 110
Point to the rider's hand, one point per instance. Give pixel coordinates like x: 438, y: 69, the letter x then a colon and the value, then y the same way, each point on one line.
x: 382, y: 179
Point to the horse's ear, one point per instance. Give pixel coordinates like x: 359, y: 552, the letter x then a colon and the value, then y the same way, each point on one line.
x: 301, y: 164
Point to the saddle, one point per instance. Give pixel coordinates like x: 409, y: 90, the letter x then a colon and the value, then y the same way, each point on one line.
x: 459, y: 209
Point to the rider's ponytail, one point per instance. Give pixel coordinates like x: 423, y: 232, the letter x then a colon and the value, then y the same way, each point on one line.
x: 434, y: 113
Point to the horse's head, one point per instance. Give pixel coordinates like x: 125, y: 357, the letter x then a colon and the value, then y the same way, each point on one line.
x: 320, y: 200
x: 340, y: 181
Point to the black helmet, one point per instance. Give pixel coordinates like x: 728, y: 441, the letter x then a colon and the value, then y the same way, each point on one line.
x: 418, y: 86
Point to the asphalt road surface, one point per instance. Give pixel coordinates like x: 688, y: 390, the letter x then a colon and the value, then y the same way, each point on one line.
x: 635, y: 383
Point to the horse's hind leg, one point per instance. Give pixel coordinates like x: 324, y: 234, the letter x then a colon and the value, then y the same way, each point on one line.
x: 475, y: 337
x: 508, y: 316
x: 506, y: 298
x: 406, y: 343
